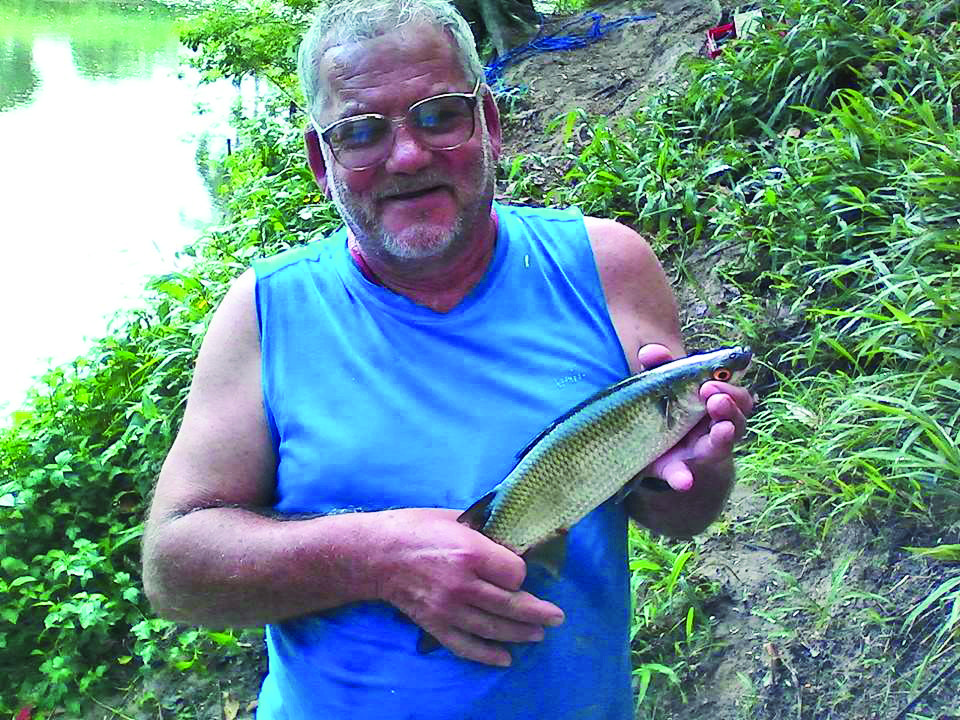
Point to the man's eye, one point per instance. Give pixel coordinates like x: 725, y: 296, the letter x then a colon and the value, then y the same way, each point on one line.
x: 441, y: 116
x: 358, y: 133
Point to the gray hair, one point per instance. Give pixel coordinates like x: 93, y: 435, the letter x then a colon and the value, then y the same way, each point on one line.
x: 339, y: 22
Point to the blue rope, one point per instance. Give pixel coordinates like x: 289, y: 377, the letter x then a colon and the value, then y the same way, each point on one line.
x: 554, y: 42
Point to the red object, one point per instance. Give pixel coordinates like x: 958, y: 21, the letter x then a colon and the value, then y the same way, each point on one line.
x: 24, y: 713
x: 717, y: 36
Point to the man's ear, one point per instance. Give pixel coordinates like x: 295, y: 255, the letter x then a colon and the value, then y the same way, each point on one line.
x: 315, y: 158
x: 491, y: 116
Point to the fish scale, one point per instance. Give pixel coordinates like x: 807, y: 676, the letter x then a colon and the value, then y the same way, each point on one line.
x: 587, y: 455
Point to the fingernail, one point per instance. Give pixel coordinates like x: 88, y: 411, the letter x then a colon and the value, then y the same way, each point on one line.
x: 555, y: 621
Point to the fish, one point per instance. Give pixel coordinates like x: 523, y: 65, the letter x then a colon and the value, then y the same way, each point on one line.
x: 592, y: 452
x: 588, y: 454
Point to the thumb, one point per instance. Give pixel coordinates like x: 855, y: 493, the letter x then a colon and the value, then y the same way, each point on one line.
x: 653, y: 354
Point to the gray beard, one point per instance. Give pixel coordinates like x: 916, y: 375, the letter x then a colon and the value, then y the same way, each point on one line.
x: 401, y: 250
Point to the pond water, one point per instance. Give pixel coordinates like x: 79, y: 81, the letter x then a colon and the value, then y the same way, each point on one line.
x: 99, y: 183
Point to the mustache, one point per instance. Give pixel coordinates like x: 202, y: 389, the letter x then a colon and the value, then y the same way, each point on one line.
x: 399, y: 186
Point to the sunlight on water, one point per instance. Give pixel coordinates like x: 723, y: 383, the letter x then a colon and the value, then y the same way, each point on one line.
x: 99, y: 184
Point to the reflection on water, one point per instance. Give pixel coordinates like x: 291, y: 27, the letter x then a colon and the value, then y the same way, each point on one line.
x: 18, y: 79
x: 98, y: 181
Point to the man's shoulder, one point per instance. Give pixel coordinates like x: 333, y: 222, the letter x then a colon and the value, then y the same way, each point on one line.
x: 612, y: 238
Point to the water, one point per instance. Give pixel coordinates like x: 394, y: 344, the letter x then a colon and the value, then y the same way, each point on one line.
x: 99, y: 186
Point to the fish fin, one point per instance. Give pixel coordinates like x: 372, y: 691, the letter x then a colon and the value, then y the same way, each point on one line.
x: 665, y: 405
x: 623, y: 492
x: 550, y: 554
x: 476, y: 515
x: 427, y: 643
x: 654, y: 484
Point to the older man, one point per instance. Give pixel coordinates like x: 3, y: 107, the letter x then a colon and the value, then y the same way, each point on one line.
x: 354, y: 395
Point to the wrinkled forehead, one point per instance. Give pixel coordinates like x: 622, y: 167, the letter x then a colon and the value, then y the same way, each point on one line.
x: 420, y: 56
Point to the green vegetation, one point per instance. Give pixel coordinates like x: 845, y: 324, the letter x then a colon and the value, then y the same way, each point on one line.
x: 814, y: 168
x: 79, y: 463
x: 818, y: 165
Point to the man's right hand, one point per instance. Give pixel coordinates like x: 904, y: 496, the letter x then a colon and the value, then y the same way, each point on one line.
x: 459, y: 586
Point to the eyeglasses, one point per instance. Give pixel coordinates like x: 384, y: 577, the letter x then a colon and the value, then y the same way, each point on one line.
x: 441, y: 122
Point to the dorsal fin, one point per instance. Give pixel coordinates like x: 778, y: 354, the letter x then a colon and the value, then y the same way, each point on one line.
x: 609, y: 390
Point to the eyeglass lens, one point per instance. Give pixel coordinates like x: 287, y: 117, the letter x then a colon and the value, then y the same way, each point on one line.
x: 439, y: 123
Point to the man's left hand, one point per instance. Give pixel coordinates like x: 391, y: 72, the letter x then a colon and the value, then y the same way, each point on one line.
x: 711, y: 442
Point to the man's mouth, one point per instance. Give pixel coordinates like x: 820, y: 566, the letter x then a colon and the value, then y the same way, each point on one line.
x: 413, y: 194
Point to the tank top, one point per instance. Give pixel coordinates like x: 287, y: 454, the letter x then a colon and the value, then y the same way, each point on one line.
x: 374, y: 402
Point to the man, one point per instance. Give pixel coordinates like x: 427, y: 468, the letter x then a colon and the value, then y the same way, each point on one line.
x: 353, y: 396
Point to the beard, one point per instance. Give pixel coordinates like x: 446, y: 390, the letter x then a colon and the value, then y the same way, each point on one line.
x: 419, y: 240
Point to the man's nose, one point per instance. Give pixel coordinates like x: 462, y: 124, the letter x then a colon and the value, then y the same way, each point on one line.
x: 407, y: 155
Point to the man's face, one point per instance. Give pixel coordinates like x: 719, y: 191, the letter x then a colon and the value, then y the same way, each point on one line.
x: 419, y: 203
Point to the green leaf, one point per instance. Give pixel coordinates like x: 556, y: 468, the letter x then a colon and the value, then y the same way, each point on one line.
x: 928, y: 601
x: 23, y: 580
x: 149, y: 407
x: 12, y: 565
x: 947, y: 553
x: 220, y: 638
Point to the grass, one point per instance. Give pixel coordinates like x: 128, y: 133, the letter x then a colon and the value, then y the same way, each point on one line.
x: 822, y: 157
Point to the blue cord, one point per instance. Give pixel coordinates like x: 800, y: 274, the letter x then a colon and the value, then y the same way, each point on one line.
x: 555, y: 41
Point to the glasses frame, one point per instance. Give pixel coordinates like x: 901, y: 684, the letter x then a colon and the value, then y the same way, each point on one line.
x: 395, y: 122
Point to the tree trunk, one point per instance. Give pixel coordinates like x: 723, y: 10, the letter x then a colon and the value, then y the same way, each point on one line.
x: 507, y: 23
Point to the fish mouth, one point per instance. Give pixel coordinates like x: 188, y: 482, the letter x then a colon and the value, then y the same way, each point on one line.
x: 741, y: 358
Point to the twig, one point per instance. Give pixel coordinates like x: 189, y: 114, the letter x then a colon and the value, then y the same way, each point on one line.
x: 111, y: 709
x: 933, y: 683
x: 717, y: 563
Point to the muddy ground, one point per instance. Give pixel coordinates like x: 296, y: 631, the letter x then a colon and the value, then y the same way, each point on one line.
x: 793, y: 636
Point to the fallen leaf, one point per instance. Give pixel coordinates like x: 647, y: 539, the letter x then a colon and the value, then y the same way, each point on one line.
x: 230, y: 707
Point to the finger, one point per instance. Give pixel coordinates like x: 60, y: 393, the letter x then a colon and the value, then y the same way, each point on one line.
x: 493, y: 627
x: 518, y: 606
x: 740, y: 395
x: 721, y: 407
x: 500, y: 566
x: 471, y: 647
x: 653, y: 354
x: 717, y: 445
x: 677, y: 475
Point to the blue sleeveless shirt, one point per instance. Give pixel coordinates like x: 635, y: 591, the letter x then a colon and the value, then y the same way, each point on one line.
x: 375, y: 402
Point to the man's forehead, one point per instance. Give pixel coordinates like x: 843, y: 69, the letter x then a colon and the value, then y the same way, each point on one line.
x: 391, y: 57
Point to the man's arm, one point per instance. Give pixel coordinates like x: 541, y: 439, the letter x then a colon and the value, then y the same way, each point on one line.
x: 213, y: 554
x: 644, y: 313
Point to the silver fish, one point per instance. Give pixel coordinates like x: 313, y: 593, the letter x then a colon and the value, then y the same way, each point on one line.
x: 593, y: 450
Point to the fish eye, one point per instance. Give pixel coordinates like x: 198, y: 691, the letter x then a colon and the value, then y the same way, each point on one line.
x: 722, y: 374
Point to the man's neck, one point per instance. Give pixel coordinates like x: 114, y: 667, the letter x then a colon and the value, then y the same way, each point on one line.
x: 439, y: 286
